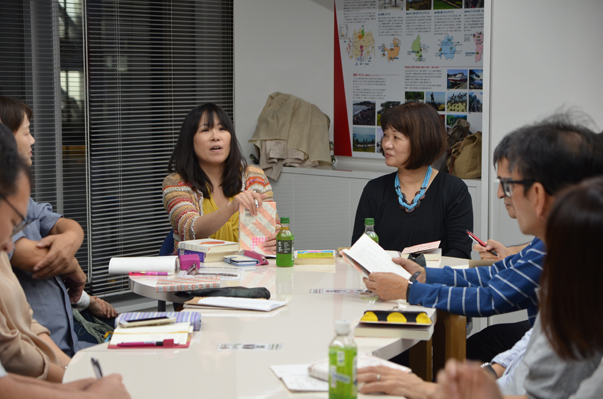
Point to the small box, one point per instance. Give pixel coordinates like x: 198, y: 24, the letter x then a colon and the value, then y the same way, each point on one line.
x: 187, y: 261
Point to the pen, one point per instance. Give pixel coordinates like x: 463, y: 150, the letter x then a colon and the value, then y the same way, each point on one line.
x: 480, y: 242
x: 139, y: 344
x: 149, y: 273
x: 97, y: 368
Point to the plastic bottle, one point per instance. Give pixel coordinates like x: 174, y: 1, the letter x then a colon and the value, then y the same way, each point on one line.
x: 284, y: 245
x: 369, y: 229
x: 342, y: 363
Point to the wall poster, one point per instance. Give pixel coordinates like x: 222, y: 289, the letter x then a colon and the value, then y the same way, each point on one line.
x: 388, y: 52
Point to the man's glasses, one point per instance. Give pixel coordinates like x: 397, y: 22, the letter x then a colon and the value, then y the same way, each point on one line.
x: 24, y: 221
x: 507, y: 185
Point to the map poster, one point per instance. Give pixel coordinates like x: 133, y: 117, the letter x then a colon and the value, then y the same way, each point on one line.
x: 388, y: 52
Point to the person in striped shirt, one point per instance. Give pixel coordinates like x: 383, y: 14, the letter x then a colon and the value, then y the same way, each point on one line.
x: 544, y: 158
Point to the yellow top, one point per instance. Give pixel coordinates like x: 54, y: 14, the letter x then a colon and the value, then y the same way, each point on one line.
x: 230, y: 230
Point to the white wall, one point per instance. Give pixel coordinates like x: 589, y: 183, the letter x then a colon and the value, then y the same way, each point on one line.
x: 281, y: 45
x: 544, y: 54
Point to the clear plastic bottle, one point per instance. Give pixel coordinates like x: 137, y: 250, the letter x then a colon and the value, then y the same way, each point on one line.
x: 369, y: 229
x: 342, y: 363
x: 284, y: 245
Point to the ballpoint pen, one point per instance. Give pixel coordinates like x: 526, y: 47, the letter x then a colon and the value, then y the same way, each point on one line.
x: 480, y: 242
x: 149, y: 273
x: 97, y: 368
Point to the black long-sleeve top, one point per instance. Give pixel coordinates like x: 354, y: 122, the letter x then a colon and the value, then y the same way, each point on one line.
x: 444, y: 214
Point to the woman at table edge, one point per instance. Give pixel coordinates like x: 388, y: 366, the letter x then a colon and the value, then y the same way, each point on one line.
x: 209, y: 179
x: 417, y: 204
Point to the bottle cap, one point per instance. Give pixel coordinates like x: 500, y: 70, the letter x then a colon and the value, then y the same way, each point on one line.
x: 284, y: 220
x: 369, y: 222
x: 342, y: 327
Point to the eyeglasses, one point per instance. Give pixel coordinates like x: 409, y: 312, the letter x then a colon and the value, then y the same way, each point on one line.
x: 507, y: 185
x: 24, y: 221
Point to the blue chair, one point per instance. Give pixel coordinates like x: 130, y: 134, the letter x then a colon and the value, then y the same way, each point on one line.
x: 167, y: 248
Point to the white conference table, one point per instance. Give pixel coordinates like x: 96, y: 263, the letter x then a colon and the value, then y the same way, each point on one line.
x: 304, y: 327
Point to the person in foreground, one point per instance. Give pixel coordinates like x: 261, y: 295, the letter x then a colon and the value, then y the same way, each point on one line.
x: 25, y: 347
x: 543, y: 159
x: 416, y: 204
x: 43, y: 258
x: 574, y: 231
x: 209, y: 179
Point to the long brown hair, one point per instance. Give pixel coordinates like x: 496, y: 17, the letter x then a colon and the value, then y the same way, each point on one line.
x: 572, y: 299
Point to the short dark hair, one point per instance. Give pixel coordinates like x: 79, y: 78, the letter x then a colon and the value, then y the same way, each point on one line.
x: 12, y: 112
x: 423, y: 127
x: 556, y: 152
x: 570, y: 306
x: 184, y: 160
x: 11, y: 163
x: 502, y: 149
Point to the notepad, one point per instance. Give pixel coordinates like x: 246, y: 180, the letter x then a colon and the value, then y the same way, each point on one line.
x: 179, y: 332
x: 240, y: 303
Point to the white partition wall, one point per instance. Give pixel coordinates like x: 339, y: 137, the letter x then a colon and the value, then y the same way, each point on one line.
x: 281, y: 45
x: 545, y: 54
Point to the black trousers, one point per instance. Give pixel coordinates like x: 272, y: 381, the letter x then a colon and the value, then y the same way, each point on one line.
x: 495, y: 339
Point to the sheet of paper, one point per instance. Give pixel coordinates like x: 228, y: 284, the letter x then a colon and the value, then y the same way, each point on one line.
x: 306, y: 383
x: 143, y: 264
x: 290, y: 369
x: 242, y: 303
x: 296, y: 378
x: 374, y: 258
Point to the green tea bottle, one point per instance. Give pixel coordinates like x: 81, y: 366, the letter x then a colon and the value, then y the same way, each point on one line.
x: 369, y: 229
x: 342, y: 363
x: 284, y: 245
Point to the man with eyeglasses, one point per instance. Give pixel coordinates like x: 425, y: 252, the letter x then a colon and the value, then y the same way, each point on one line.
x: 543, y: 159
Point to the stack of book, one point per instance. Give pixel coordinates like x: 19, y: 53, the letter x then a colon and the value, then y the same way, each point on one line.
x: 208, y: 249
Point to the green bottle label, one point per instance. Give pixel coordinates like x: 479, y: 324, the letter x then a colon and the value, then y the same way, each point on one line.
x: 342, y: 373
x: 284, y: 252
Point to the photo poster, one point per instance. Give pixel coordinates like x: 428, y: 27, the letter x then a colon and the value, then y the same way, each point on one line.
x: 388, y: 52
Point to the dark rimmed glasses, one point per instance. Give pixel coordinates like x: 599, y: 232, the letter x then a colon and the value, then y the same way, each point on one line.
x: 24, y: 221
x: 507, y: 185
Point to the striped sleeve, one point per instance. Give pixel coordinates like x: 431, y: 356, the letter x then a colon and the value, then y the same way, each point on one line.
x: 256, y: 180
x: 182, y: 205
x: 504, y: 287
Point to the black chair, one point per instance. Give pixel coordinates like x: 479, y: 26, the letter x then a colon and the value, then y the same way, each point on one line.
x: 167, y: 248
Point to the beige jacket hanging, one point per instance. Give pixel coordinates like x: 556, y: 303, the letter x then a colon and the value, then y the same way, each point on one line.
x: 291, y: 132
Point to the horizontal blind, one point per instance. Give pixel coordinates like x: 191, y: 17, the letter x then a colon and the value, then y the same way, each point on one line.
x: 42, y: 65
x: 150, y: 63
x: 29, y: 69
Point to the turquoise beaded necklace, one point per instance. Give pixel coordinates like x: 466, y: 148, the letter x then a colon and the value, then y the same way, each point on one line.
x: 418, y: 197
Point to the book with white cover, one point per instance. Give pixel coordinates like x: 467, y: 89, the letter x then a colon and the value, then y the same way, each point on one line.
x: 368, y: 257
x: 209, y: 245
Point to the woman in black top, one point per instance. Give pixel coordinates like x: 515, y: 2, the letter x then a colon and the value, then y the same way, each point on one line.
x: 416, y: 204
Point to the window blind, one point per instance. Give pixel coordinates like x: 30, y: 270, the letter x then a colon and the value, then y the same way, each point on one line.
x: 150, y: 63
x: 110, y: 83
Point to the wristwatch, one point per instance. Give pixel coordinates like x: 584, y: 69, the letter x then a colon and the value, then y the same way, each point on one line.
x: 488, y: 367
x: 411, y: 281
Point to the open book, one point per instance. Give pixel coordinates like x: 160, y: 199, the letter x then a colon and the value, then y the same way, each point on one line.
x: 368, y: 257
